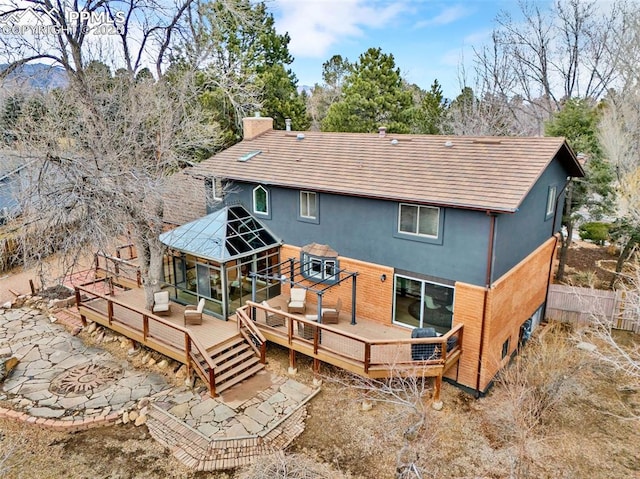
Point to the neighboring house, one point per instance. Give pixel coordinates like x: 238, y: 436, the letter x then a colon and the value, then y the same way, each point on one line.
x: 440, y: 230
x: 11, y: 166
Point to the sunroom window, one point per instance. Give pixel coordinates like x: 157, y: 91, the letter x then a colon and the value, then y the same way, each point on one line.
x: 419, y: 220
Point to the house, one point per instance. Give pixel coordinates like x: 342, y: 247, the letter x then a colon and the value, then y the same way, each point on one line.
x: 432, y: 231
x: 11, y: 166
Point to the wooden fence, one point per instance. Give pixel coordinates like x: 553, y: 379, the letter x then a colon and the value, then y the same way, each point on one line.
x: 582, y: 305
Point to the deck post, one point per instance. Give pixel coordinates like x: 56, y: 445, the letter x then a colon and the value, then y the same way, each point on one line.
x: 110, y: 311
x: 292, y: 362
x: 353, y: 299
x: 187, y: 349
x: 316, y: 368
x: 83, y: 318
x: 319, y: 310
x: 437, y: 386
x: 367, y: 356
x: 145, y: 326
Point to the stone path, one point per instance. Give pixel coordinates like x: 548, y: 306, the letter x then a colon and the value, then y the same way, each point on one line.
x: 61, y: 383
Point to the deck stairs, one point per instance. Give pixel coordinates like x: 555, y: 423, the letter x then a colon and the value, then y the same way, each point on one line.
x: 235, y: 361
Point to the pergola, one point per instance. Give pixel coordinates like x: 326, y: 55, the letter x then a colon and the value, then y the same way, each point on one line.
x: 288, y: 270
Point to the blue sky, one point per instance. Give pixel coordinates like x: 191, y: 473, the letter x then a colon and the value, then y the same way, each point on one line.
x: 428, y: 38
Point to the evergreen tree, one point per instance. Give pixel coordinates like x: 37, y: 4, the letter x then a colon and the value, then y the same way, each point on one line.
x: 247, y: 51
x: 372, y: 96
x: 578, y: 121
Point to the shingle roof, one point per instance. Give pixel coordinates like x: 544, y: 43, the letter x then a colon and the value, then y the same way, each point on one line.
x: 492, y: 173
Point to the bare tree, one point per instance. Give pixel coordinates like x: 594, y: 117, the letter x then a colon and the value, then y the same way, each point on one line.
x: 288, y: 466
x: 622, y: 357
x: 550, y: 55
x: 529, y: 390
x: 106, y: 143
x: 408, y: 392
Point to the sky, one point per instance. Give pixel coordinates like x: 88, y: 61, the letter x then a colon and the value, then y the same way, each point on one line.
x: 429, y: 39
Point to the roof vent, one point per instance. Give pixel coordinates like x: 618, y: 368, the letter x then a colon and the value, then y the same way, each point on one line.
x: 249, y: 155
x: 256, y: 114
x: 448, y: 144
x: 300, y: 136
x: 382, y: 132
x: 287, y: 124
x: 394, y: 142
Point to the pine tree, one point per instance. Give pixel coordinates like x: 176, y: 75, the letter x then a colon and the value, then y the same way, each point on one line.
x: 372, y: 96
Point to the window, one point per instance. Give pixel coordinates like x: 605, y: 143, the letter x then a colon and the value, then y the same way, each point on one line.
x: 551, y: 202
x: 419, y: 220
x: 420, y: 303
x: 308, y: 205
x: 260, y: 200
x: 505, y: 348
x: 319, y: 269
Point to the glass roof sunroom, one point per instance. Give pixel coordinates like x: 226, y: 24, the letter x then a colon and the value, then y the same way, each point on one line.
x: 224, y: 235
x: 212, y: 258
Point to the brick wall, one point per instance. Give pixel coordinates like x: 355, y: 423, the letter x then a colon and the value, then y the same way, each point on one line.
x: 374, y: 296
x: 511, y: 301
x: 467, y: 310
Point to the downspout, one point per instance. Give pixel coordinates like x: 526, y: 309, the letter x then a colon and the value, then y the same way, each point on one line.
x: 555, y: 245
x: 488, y: 280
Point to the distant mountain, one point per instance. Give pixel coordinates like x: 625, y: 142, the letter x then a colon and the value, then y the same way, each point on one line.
x: 38, y: 76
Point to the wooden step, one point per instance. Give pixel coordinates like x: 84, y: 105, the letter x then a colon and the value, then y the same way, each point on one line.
x: 239, y: 378
x: 221, y: 348
x: 228, y: 355
x: 237, y: 369
x: 235, y: 361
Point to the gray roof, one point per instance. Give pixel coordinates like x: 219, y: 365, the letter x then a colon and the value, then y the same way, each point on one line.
x: 229, y: 233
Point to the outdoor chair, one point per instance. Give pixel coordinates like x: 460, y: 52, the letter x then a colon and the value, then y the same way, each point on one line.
x: 273, y: 319
x: 193, y: 314
x: 297, y: 302
x: 161, y: 305
x: 331, y: 313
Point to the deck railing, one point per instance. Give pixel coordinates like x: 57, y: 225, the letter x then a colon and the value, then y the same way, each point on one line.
x: 117, y: 268
x: 368, y: 353
x: 252, y: 334
x: 141, y: 325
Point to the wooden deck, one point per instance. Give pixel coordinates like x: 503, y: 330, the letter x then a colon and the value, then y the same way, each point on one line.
x: 211, y: 333
x: 367, y: 348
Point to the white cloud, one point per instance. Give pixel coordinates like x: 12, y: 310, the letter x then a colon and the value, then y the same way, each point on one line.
x: 316, y: 25
x: 446, y: 16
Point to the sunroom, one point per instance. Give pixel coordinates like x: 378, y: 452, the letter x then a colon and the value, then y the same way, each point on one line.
x: 213, y: 258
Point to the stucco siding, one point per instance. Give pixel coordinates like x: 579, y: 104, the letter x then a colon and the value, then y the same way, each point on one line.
x: 518, y: 234
x: 366, y: 230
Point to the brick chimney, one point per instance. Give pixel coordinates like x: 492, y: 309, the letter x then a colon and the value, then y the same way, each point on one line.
x: 254, y: 126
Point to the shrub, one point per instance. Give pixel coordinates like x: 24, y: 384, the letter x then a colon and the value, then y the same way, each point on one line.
x: 595, y: 231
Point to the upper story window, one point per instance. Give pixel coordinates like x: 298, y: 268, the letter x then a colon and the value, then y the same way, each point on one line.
x: 551, y: 202
x: 419, y: 220
x: 260, y: 200
x: 308, y: 205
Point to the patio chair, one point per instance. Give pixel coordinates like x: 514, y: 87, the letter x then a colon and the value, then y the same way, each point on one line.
x: 331, y: 313
x: 297, y: 302
x: 161, y: 305
x: 193, y: 314
x: 273, y: 319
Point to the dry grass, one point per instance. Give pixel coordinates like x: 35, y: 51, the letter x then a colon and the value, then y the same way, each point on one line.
x: 579, y: 431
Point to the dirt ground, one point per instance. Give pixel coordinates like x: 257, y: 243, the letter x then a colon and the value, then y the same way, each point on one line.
x: 586, y: 433
x: 590, y: 265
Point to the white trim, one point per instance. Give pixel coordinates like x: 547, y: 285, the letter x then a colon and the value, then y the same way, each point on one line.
x: 266, y: 202
x: 400, y: 205
x: 308, y: 193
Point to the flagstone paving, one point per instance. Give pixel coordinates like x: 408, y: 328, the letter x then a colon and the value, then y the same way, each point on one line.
x: 63, y: 383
